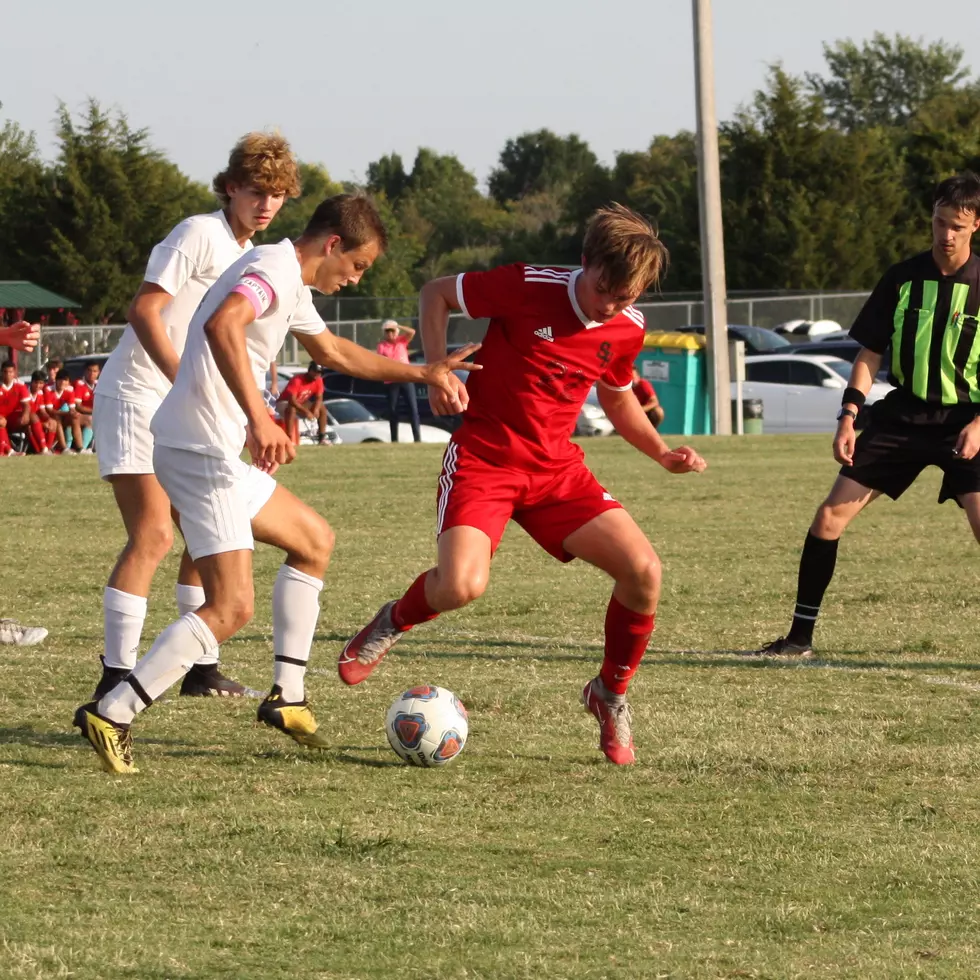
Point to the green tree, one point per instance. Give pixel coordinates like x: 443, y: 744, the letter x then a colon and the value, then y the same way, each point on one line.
x: 540, y: 163
x: 113, y: 197
x: 807, y: 206
x: 21, y: 201
x: 316, y: 186
x: 884, y: 81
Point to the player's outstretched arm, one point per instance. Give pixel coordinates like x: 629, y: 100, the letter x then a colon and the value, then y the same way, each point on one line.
x: 146, y: 318
x: 225, y: 333
x: 625, y: 413
x: 343, y: 355
x: 21, y: 336
x: 437, y: 299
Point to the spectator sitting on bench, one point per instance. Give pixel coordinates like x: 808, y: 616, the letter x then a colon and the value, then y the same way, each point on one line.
x: 15, y: 407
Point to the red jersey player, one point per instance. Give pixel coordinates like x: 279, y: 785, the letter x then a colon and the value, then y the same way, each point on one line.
x: 43, y: 429
x: 81, y: 416
x: 552, y: 334
x: 15, y: 407
x: 303, y: 397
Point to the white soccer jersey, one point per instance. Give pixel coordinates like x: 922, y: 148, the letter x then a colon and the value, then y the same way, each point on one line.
x: 186, y: 264
x: 200, y: 413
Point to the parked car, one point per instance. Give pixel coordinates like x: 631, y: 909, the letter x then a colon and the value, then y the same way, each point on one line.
x: 758, y: 340
x: 843, y: 347
x: 352, y: 422
x: 800, y: 392
x: 810, y: 329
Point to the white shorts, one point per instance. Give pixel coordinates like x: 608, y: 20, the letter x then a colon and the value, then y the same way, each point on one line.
x: 125, y: 440
x: 215, y: 497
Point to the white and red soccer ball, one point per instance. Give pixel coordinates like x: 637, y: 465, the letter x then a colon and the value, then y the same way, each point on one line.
x: 427, y: 725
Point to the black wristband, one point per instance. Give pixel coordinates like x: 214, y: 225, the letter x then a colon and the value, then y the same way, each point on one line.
x: 853, y: 396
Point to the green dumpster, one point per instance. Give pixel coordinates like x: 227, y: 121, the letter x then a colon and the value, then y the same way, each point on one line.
x: 674, y: 363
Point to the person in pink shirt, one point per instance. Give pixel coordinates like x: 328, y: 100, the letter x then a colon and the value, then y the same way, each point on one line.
x: 394, y: 344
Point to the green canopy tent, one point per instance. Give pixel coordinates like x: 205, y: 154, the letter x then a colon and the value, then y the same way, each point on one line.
x: 19, y: 294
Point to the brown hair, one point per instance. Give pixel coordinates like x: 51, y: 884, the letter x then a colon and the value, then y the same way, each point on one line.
x: 962, y: 193
x: 625, y: 247
x: 263, y: 161
x: 353, y: 217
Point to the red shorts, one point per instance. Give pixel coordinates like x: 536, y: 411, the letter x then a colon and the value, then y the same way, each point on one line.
x: 549, y: 506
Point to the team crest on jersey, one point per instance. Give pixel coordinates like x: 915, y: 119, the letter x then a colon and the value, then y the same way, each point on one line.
x: 545, y: 334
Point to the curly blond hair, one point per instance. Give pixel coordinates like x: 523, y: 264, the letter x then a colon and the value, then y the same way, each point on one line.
x: 263, y: 161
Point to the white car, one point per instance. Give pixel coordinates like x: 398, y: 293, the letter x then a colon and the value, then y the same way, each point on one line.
x: 352, y: 422
x: 800, y: 392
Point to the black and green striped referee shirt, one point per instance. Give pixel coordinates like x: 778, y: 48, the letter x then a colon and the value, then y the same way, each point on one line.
x: 931, y: 322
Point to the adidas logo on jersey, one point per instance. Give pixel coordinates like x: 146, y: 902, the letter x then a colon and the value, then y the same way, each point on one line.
x: 545, y: 334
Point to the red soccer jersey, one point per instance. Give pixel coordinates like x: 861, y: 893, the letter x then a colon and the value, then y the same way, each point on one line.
x: 64, y: 398
x: 39, y: 402
x: 12, y: 398
x: 84, y: 394
x: 301, y: 389
x: 643, y: 391
x: 540, y: 356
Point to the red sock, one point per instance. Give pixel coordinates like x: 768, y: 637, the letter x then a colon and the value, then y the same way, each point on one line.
x: 36, y: 435
x: 627, y: 635
x: 412, y: 609
x: 50, y: 438
x: 4, y: 441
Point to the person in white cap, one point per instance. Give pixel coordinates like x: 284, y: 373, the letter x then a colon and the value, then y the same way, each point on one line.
x: 394, y: 344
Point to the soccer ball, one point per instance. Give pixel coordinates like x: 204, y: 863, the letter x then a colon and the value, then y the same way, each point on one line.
x: 427, y: 726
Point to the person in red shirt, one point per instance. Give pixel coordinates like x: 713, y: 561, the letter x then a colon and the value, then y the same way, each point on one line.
x: 394, y: 345
x: 62, y: 407
x: 648, y: 400
x: 303, y: 397
x: 553, y: 333
x: 15, y: 407
x: 82, y: 432
x: 52, y: 366
x: 43, y: 429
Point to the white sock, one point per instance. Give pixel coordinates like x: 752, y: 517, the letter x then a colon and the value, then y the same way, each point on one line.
x: 295, y: 609
x: 190, y: 598
x: 123, y: 615
x: 176, y: 649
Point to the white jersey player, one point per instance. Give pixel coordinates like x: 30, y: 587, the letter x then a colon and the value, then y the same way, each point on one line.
x: 261, y: 174
x: 226, y: 504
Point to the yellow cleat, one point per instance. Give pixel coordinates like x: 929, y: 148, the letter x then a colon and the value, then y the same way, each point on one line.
x: 113, y: 743
x: 295, y: 719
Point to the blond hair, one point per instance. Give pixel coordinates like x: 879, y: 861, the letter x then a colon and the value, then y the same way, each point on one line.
x: 625, y: 247
x: 263, y: 161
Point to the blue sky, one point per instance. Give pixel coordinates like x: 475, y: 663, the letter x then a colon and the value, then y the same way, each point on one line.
x: 347, y: 83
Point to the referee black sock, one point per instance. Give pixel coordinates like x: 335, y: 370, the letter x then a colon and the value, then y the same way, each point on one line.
x: 816, y: 570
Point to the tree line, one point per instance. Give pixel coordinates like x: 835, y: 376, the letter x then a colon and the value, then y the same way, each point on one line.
x: 826, y: 179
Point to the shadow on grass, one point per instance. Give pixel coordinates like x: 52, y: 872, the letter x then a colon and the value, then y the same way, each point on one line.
x: 23, y: 735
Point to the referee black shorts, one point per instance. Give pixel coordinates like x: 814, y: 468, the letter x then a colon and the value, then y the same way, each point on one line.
x: 890, y: 454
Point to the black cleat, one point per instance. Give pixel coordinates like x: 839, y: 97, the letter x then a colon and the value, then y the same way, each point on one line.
x: 206, y: 681
x: 111, y: 676
x: 784, y: 647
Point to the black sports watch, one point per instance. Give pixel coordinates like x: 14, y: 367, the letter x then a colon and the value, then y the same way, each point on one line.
x: 846, y: 411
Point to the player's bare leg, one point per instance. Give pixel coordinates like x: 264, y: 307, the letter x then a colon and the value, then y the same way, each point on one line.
x: 847, y: 498
x: 970, y: 502
x: 287, y: 523
x: 145, y: 512
x: 613, y: 542
x: 321, y: 425
x: 228, y: 606
x: 460, y: 577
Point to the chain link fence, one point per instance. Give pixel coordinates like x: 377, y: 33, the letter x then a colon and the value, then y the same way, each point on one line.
x: 667, y: 314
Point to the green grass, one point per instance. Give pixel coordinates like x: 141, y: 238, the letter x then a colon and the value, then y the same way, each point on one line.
x: 783, y: 821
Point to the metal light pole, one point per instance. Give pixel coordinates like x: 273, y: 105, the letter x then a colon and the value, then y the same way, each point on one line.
x: 709, y: 207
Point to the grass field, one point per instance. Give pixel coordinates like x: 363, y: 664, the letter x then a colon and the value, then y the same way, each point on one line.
x: 784, y: 820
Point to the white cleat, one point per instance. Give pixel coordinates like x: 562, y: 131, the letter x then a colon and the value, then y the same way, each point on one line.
x: 23, y: 636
